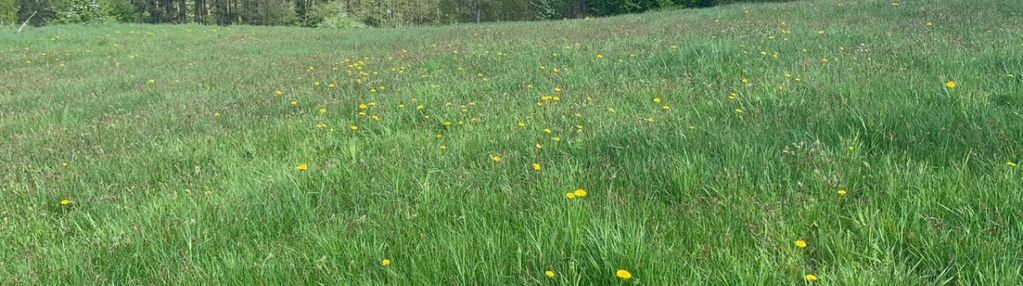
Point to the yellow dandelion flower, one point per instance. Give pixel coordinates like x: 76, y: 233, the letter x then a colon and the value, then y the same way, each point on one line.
x: 539, y: 146
x: 537, y: 167
x: 557, y: 89
x: 801, y: 243
x: 420, y: 107
x: 496, y: 158
x: 354, y: 127
x: 65, y: 202
x: 522, y: 124
x: 294, y: 103
x: 278, y: 92
x: 580, y: 193
x: 651, y: 119
x: 216, y: 114
x: 302, y: 167
x: 600, y: 56
x: 548, y: 130
x: 733, y: 96
x: 443, y: 147
x: 570, y: 195
x: 951, y: 84
x: 323, y: 110
x: 1011, y: 164
x: 549, y: 273
x: 623, y: 274
x: 666, y: 108
x: 321, y: 125
x: 363, y: 106
x: 842, y: 192
x: 316, y: 83
x: 657, y: 100
x: 810, y: 278
x: 740, y: 110
x: 556, y: 139
x: 385, y: 263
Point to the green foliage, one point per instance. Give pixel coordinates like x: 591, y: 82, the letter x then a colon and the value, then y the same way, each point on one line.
x: 83, y: 12
x: 45, y: 10
x: 378, y: 13
x: 120, y: 10
x: 549, y: 9
x: 268, y: 12
x: 332, y: 15
x: 8, y: 12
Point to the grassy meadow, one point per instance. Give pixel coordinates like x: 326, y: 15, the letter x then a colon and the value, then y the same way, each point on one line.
x: 860, y: 142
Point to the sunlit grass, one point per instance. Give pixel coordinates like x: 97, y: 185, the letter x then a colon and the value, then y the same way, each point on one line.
x: 830, y: 142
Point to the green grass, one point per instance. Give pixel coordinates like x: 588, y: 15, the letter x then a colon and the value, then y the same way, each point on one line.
x: 164, y: 191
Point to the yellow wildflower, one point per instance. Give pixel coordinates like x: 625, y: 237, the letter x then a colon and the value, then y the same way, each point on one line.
x: 623, y: 274
x: 385, y: 262
x: 302, y: 167
x: 549, y: 273
x: 810, y: 278
x: 801, y: 243
x: 581, y: 193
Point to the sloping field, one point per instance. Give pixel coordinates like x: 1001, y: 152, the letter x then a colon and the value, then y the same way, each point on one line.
x: 859, y: 142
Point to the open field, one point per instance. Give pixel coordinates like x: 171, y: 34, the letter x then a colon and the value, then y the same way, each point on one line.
x: 708, y: 142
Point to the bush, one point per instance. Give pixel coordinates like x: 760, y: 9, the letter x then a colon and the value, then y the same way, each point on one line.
x: 83, y: 12
x: 332, y: 15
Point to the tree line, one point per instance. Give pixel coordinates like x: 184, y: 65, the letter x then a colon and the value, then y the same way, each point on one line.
x: 325, y: 13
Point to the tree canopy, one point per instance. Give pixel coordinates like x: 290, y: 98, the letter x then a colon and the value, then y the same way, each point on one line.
x: 326, y: 13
